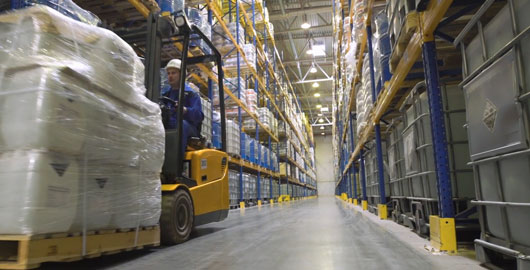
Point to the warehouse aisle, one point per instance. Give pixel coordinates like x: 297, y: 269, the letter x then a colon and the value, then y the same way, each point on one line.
x: 314, y: 234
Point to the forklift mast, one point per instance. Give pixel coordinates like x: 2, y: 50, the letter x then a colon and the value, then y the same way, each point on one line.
x: 176, y: 29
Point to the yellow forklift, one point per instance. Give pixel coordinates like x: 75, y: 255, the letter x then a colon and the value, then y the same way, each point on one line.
x: 194, y: 185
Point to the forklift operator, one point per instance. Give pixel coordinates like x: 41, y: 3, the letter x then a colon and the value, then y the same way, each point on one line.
x: 192, y: 111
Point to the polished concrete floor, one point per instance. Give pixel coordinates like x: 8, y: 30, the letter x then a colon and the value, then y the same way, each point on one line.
x: 312, y: 234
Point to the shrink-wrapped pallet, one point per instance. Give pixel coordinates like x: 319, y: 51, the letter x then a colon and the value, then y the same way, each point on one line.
x: 80, y: 145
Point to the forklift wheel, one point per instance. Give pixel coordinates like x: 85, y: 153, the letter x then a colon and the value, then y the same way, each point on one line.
x: 176, y: 220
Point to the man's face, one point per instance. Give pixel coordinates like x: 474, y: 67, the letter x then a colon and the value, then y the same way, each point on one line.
x: 173, y: 75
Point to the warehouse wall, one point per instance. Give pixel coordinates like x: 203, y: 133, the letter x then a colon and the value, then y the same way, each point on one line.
x: 324, y: 160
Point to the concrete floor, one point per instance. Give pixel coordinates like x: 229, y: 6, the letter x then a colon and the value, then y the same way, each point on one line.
x: 319, y: 234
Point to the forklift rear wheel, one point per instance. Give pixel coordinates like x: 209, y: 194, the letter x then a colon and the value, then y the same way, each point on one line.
x: 176, y: 221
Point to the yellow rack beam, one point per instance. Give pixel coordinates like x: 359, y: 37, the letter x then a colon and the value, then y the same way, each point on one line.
x: 252, y: 166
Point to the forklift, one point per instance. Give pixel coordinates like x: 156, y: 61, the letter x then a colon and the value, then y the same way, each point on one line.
x: 194, y: 185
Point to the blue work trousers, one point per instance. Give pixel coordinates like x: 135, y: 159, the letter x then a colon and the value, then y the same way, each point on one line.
x: 188, y: 130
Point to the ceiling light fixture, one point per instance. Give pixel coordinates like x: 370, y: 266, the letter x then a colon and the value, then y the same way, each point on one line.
x: 315, y: 85
x: 309, y: 51
x: 319, y: 114
x: 321, y: 127
x: 316, y: 94
x: 313, y: 70
x: 321, y: 120
x: 305, y: 25
x: 323, y: 133
x: 319, y: 106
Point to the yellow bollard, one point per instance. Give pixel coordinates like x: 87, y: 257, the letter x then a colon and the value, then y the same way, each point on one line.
x: 443, y: 233
x: 242, y: 205
x: 382, y: 211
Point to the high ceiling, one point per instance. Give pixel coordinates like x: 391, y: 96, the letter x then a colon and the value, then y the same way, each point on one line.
x: 294, y: 42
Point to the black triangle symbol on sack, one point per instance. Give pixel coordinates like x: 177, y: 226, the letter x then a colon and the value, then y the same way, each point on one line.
x: 59, y: 168
x: 101, y: 182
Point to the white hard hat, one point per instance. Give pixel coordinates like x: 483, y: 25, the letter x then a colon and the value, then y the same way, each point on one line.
x: 174, y: 63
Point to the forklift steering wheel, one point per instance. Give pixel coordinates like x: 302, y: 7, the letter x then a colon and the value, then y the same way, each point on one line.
x: 166, y: 99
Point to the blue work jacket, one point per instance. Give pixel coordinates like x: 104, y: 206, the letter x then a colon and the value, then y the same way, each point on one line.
x: 192, y: 102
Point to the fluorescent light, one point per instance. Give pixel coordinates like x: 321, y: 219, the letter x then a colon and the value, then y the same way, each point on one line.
x: 313, y: 70
x: 323, y: 133
x: 321, y: 127
x: 316, y: 94
x: 319, y: 114
x: 319, y: 106
x: 306, y: 25
x: 321, y: 120
x: 324, y: 109
x: 315, y: 85
x: 309, y: 51
x: 318, y: 49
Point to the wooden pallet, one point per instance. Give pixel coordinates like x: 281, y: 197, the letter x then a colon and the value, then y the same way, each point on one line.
x: 408, y: 29
x: 29, y: 251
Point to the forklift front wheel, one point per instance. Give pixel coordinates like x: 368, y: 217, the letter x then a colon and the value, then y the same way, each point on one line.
x: 176, y: 220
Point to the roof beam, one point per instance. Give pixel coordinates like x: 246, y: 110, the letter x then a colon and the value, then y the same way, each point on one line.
x: 310, y: 60
x: 299, y: 12
x: 318, y: 27
x: 304, y: 36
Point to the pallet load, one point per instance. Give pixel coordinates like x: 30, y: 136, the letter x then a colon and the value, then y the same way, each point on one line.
x: 233, y: 138
x: 206, y: 129
x: 233, y: 185
x: 265, y: 188
x: 74, y: 100
x: 364, y: 97
x: 81, y: 147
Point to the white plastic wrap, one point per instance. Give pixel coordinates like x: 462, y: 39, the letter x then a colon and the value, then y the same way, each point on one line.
x: 222, y: 42
x: 252, y: 100
x: 364, y: 101
x: 81, y: 147
x: 249, y: 50
x: 68, y: 8
x: 265, y: 116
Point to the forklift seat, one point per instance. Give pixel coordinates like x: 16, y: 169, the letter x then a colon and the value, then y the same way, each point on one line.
x: 196, y: 143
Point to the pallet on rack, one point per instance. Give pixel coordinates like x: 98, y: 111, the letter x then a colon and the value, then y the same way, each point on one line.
x: 29, y: 251
x: 408, y: 29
